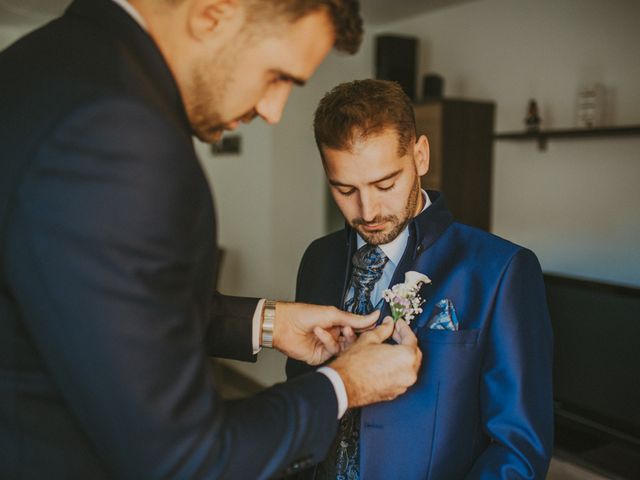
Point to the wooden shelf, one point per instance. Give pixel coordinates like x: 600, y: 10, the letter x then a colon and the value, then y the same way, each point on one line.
x: 543, y: 136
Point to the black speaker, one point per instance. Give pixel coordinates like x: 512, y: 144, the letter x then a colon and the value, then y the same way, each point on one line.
x: 396, y: 60
x: 432, y: 87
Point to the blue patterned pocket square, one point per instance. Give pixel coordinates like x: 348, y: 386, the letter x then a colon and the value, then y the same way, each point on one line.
x: 444, y: 316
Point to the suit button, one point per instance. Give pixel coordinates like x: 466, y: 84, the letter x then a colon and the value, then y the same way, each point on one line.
x: 420, y: 249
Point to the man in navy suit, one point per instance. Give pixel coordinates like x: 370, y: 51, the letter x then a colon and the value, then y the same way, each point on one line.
x: 482, y: 406
x: 108, y: 248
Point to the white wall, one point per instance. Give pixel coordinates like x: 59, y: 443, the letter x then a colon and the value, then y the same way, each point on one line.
x: 577, y: 204
x: 242, y: 193
x: 243, y: 188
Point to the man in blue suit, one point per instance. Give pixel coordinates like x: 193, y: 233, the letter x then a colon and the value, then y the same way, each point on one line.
x: 482, y: 406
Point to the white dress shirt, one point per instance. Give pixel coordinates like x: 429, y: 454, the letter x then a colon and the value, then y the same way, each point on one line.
x: 331, y: 374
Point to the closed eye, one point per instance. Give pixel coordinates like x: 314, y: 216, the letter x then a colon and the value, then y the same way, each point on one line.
x: 386, y: 188
x: 346, y: 193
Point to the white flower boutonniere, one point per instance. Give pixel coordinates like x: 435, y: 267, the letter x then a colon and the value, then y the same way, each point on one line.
x: 403, y: 297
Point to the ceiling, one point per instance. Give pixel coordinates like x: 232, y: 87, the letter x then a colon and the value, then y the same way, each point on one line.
x: 17, y: 12
x: 374, y: 12
x: 377, y: 12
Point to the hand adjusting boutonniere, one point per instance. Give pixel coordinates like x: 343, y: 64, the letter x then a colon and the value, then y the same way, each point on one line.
x: 403, y: 298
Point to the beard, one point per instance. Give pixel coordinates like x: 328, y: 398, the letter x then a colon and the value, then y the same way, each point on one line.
x: 207, y: 92
x: 398, y: 223
x: 205, y: 95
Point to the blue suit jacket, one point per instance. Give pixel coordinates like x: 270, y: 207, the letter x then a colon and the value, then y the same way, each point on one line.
x: 107, y: 267
x: 482, y: 406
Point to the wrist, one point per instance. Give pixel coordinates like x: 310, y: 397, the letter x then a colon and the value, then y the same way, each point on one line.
x: 343, y: 372
x: 268, y: 323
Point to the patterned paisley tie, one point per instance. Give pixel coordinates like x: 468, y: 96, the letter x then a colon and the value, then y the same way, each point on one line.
x: 343, y: 461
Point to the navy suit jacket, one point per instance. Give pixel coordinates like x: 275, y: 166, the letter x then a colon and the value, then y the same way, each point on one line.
x: 482, y: 405
x: 107, y: 260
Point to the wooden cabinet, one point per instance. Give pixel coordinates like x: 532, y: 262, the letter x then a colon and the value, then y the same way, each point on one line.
x: 460, y: 134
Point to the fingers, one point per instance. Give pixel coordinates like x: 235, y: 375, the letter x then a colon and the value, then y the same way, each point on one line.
x: 357, y: 322
x: 375, y: 315
x: 380, y: 333
x: 349, y: 335
x: 406, y: 337
x: 327, y: 340
x: 373, y: 371
x: 403, y: 334
x: 346, y: 338
x: 396, y: 335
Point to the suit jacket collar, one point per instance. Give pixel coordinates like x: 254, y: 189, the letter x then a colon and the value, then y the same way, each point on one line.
x: 424, y: 231
x: 432, y: 222
x: 159, y: 81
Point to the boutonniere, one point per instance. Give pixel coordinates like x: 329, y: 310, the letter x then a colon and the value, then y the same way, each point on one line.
x: 403, y: 298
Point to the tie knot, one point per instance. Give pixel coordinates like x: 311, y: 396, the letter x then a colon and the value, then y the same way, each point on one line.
x: 368, y: 264
x: 369, y: 257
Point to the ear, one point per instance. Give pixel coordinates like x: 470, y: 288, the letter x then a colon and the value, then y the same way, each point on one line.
x: 421, y: 155
x: 214, y: 19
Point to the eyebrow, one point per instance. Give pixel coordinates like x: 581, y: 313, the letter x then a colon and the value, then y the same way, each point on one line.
x: 335, y: 183
x: 290, y: 78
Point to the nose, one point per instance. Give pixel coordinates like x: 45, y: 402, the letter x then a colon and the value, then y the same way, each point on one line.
x: 369, y: 206
x: 271, y: 105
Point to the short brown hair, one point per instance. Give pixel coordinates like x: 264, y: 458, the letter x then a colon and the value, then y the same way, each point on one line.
x: 344, y: 14
x: 362, y: 108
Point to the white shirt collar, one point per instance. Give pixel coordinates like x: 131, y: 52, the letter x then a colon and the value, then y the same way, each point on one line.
x: 395, y: 248
x: 132, y: 11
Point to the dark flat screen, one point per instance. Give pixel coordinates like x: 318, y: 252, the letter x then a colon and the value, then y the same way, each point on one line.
x: 596, y: 351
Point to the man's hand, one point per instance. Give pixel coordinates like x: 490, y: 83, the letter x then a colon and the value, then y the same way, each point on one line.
x: 373, y: 371
x: 311, y: 333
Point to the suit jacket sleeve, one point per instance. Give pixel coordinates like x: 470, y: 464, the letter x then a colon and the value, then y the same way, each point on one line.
x: 231, y: 327
x: 516, y: 387
x: 101, y: 262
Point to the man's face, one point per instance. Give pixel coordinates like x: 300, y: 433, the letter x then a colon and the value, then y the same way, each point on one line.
x: 377, y: 190
x: 254, y: 73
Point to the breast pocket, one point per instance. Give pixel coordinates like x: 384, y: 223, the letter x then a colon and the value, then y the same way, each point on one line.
x: 449, y: 356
